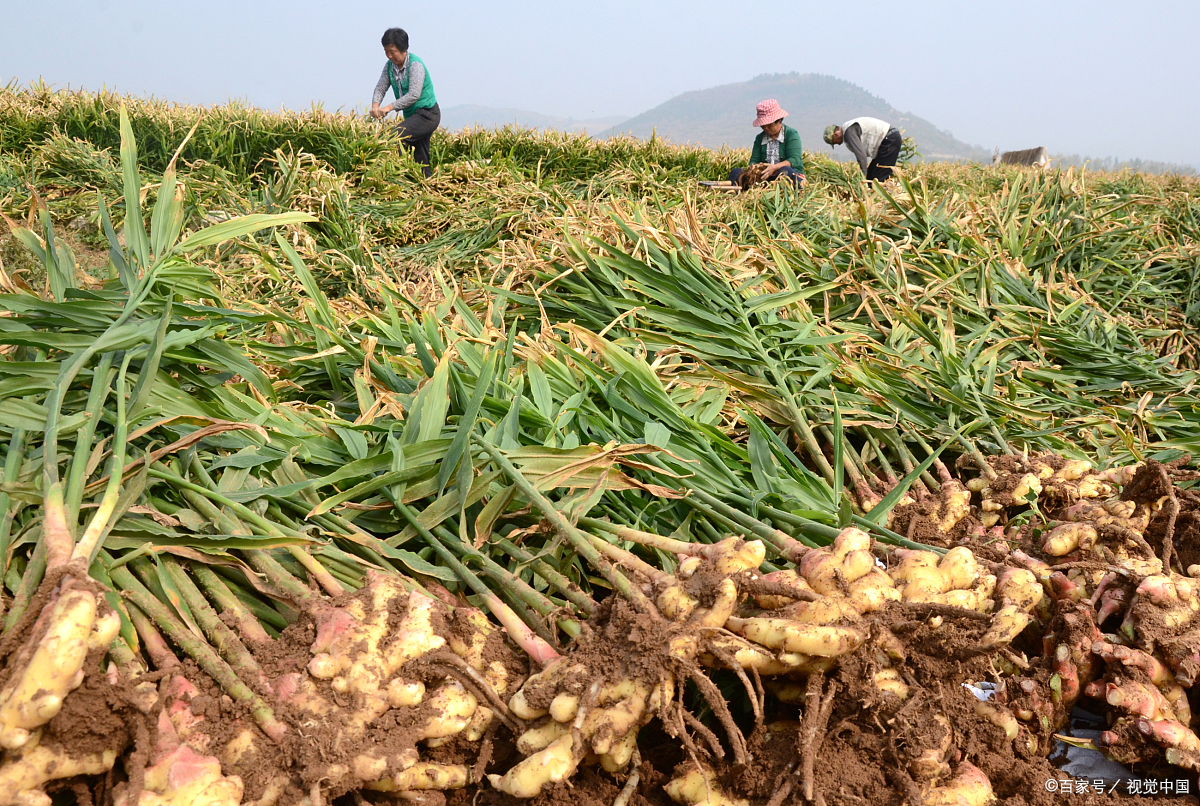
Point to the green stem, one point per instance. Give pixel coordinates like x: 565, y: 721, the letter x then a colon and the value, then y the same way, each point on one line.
x: 909, y: 461
x: 942, y: 471
x: 202, y: 653
x: 12, y: 468
x: 564, y: 527
x: 708, y: 531
x: 517, y: 586
x: 98, y: 526
x: 667, y: 544
x: 570, y: 591
x: 219, y: 635
x: 855, y: 469
x: 271, y: 613
x: 123, y: 657
x: 230, y: 605
x: 287, y: 584
x: 785, y: 544
x: 101, y: 384
x: 799, y: 423
x: 467, y: 576
x: 980, y: 459
x: 156, y: 646
x: 30, y: 581
x: 877, y: 450
x: 622, y: 557
x: 323, y: 577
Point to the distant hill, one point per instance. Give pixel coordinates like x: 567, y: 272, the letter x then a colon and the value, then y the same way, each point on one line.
x: 721, y: 115
x: 464, y: 115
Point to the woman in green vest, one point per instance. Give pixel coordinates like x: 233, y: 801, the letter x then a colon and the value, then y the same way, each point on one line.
x: 776, y: 148
x: 410, y: 81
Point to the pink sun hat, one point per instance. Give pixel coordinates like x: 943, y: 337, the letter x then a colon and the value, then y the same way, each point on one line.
x: 768, y: 112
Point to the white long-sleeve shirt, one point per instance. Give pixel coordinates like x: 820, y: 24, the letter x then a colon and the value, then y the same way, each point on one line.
x: 862, y: 137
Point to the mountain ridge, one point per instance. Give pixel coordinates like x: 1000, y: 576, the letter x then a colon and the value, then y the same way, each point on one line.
x: 722, y: 115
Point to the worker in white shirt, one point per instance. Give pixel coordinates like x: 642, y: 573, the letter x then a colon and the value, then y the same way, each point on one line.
x: 873, y: 142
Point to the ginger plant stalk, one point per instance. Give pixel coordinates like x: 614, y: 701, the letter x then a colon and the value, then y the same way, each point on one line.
x: 89, y: 543
x: 223, y: 639
x: 569, y: 590
x: 202, y: 653
x: 566, y: 529
x: 220, y: 594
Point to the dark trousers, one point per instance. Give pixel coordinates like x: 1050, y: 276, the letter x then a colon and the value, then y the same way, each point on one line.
x: 790, y: 173
x: 889, y: 151
x: 415, y: 130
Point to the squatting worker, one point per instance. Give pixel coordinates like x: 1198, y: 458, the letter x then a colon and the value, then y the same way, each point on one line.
x: 777, y: 146
x: 410, y: 81
x: 874, y: 143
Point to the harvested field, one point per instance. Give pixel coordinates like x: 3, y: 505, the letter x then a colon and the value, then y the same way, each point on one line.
x: 555, y: 480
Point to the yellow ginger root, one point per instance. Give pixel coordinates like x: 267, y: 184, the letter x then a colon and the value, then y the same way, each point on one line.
x: 1175, y: 596
x: 349, y: 649
x: 698, y: 786
x: 560, y: 675
x: 1068, y: 537
x: 818, y: 640
x: 1072, y: 470
x: 425, y: 775
x: 829, y: 570
x: 542, y: 736
x: 789, y: 577
x: 919, y: 569
x: 181, y: 773
x: 827, y: 610
x: 450, y: 708
x: 23, y: 774
x: 956, y: 505
x: 1018, y: 592
x: 184, y: 778
x: 929, y: 762
x: 996, y: 498
x: 1139, y: 699
x: 1158, y: 672
x: 1001, y: 717
x: 1181, y: 743
x: 404, y: 693
x: 889, y: 681
x: 873, y: 591
x: 608, y: 729
x: 51, y: 666
x: 548, y: 766
x: 1120, y: 476
x: 748, y: 656
x: 953, y: 579
x: 495, y: 674
x: 1113, y: 513
x: 675, y: 603
x: 734, y: 555
x: 969, y: 787
x: 731, y: 556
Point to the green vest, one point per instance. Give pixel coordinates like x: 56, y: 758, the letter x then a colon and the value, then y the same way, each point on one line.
x: 427, y: 99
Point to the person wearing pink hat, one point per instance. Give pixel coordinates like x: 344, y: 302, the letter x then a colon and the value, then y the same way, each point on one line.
x: 777, y: 146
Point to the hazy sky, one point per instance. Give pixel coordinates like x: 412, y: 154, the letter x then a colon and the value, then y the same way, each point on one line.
x: 1102, y: 78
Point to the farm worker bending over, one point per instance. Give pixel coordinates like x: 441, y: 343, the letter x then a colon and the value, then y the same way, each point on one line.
x: 409, y: 80
x: 777, y: 147
x: 873, y: 142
